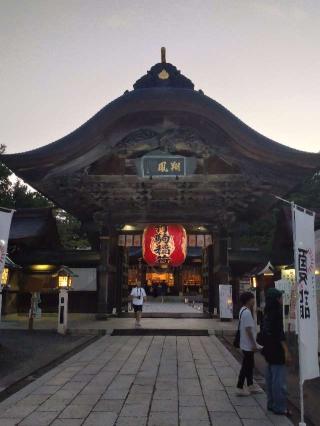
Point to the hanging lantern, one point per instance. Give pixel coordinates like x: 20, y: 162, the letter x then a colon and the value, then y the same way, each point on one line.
x: 164, y: 245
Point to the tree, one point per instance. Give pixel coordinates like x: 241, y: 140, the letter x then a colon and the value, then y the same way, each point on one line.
x: 18, y: 195
x: 308, y: 193
x: 70, y: 231
x: 23, y: 197
x: 261, y: 233
x: 5, y: 184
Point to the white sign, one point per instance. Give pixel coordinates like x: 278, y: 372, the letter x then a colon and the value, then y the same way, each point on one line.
x: 284, y: 286
x: 5, y: 223
x: 244, y: 284
x: 304, y: 253
x: 86, y: 279
x: 289, y: 275
x: 226, y: 305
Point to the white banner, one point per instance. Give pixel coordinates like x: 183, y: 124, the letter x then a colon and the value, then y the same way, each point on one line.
x: 304, y: 248
x: 226, y: 305
x: 5, y: 223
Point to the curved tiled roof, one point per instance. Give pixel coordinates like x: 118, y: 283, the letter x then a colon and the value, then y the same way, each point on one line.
x: 163, y: 95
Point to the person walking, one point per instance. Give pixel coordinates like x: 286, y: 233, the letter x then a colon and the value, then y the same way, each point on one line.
x: 248, y: 345
x: 276, y: 353
x: 163, y: 290
x: 138, y: 297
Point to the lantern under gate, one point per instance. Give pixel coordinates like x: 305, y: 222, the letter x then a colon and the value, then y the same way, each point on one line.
x: 164, y: 245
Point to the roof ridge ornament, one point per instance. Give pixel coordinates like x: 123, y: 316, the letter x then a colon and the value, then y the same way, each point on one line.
x: 163, y: 74
x: 163, y: 55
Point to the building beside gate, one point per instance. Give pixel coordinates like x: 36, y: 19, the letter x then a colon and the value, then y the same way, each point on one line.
x: 163, y: 153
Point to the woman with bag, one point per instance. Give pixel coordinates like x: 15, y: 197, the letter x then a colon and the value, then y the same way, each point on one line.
x: 246, y: 337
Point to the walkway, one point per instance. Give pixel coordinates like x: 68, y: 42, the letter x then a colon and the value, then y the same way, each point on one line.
x: 172, y: 308
x: 139, y: 381
x: 85, y: 323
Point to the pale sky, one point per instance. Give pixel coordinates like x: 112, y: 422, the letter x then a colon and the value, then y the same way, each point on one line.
x: 63, y: 60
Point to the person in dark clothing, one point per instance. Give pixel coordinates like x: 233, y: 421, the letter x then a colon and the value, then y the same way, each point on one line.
x: 163, y: 290
x: 276, y: 353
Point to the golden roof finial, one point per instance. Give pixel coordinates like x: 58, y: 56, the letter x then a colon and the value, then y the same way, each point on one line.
x: 163, y: 55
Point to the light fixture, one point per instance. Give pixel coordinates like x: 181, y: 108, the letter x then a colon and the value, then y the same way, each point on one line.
x: 128, y: 228
x: 254, y: 282
x: 5, y: 276
x: 42, y: 268
x: 164, y: 266
x: 317, y: 272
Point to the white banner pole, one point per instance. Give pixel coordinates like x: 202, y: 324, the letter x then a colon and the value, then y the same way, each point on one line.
x: 302, y: 422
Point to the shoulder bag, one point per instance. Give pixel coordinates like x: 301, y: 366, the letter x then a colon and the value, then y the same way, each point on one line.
x: 236, y: 342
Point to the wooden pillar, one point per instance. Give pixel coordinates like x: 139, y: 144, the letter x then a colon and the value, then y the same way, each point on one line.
x: 143, y: 274
x: 220, y: 268
x: 107, y: 275
x: 102, y: 278
x: 178, y: 279
x: 208, y: 279
x: 121, y: 288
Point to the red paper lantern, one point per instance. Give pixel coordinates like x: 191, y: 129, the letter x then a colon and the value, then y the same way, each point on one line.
x: 164, y: 245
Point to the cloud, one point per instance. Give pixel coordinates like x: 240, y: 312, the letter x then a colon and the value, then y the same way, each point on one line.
x: 117, y: 21
x: 286, y: 10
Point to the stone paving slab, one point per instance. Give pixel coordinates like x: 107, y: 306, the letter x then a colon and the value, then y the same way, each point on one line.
x: 171, y: 307
x: 140, y: 381
x: 85, y: 323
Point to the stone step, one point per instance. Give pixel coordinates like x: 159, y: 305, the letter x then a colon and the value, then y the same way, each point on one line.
x: 168, y: 315
x: 158, y: 332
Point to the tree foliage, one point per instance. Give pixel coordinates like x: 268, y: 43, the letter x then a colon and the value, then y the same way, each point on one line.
x: 14, y: 194
x: 5, y: 184
x: 260, y: 234
x: 308, y: 193
x: 70, y: 231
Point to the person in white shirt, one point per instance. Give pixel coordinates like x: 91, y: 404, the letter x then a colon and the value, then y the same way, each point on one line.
x: 248, y: 345
x: 138, y: 297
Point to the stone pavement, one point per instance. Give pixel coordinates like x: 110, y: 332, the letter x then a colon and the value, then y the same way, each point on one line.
x: 140, y: 381
x: 87, y: 322
x: 172, y: 308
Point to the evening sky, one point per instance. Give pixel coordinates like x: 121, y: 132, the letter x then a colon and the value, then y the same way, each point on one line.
x: 63, y: 60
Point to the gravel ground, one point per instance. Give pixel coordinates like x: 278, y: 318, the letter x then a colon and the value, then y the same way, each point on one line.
x: 25, y: 355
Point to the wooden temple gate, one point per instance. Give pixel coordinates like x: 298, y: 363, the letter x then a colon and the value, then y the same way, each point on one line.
x: 114, y: 269
x: 162, y: 153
